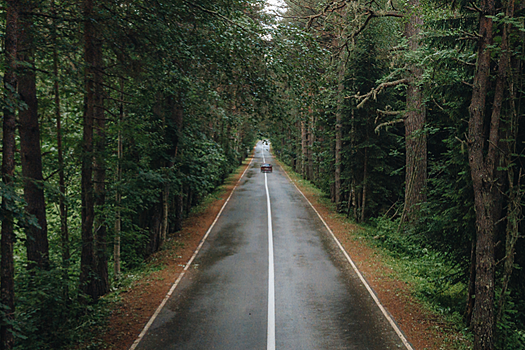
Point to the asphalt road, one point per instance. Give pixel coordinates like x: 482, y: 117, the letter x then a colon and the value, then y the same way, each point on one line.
x: 233, y: 297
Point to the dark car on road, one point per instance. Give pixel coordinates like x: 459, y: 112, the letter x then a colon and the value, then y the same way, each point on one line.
x: 266, y: 168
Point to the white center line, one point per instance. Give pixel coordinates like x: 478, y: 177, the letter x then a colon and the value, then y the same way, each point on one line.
x: 271, y: 286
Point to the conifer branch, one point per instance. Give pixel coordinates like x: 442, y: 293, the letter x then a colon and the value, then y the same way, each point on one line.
x: 214, y: 13
x: 392, y: 122
x: 376, y: 91
x: 373, y: 14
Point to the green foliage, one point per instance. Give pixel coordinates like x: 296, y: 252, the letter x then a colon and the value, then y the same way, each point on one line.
x: 49, y: 314
x: 431, y: 272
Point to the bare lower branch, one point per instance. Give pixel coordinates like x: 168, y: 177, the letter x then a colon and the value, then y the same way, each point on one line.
x: 389, y: 112
x: 214, y: 13
x: 376, y: 91
x: 473, y: 8
x: 437, y: 104
x: 464, y: 62
x: 392, y: 122
x: 371, y: 14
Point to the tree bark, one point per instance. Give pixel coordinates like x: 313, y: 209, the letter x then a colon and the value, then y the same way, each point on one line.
x: 87, y: 259
x: 61, y: 175
x: 165, y: 213
x: 30, y: 154
x: 178, y: 120
x: 482, y: 170
x: 311, y: 141
x: 116, y: 242
x: 471, y: 286
x: 365, y: 180
x: 101, y: 254
x: 339, y: 131
x: 7, y: 283
x: 415, y: 118
x: 304, y: 148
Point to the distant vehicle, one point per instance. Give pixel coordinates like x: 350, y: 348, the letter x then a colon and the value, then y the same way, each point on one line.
x: 266, y: 168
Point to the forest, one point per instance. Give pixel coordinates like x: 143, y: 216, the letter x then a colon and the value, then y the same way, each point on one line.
x: 119, y: 117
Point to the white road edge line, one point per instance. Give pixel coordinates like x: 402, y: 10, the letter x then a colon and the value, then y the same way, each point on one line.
x: 176, y: 283
x: 271, y: 278
x: 363, y: 280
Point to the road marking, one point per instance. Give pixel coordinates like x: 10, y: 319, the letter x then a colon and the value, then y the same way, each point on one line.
x: 271, y: 278
x: 363, y: 280
x: 176, y: 283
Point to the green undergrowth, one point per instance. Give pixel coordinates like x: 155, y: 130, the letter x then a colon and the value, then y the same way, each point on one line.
x: 432, y: 278
x: 434, y: 281
x: 172, y: 247
x: 219, y: 192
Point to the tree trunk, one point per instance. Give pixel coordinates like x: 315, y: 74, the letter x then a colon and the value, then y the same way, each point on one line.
x: 482, y: 170
x: 365, y: 180
x: 87, y: 259
x: 298, y: 153
x: 471, y: 286
x: 311, y: 139
x: 165, y: 213
x: 304, y: 149
x: 101, y: 255
x: 179, y: 211
x: 178, y: 119
x: 64, y: 231
x: 31, y: 158
x: 415, y: 118
x: 155, y: 228
x: 116, y: 242
x: 339, y: 131
x: 7, y: 283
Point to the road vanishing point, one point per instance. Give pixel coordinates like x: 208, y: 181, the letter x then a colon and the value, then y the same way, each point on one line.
x: 270, y: 275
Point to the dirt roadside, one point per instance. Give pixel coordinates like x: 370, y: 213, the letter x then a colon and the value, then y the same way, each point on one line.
x: 140, y: 300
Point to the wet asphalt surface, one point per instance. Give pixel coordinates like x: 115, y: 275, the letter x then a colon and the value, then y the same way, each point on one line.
x: 222, y: 302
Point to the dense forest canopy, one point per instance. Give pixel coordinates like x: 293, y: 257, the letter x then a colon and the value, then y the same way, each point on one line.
x: 119, y: 117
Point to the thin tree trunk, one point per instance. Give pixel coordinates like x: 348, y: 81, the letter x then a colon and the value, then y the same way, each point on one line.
x: 365, y: 181
x: 339, y: 131
x: 178, y: 121
x: 514, y: 217
x: 471, y: 286
x: 7, y: 283
x: 415, y: 118
x: 87, y: 259
x: 298, y: 153
x: 64, y: 232
x: 165, y: 213
x: 101, y: 254
x: 304, y: 149
x: 514, y: 212
x: 482, y: 171
x: 31, y: 158
x: 311, y: 141
x: 116, y: 243
x: 354, y: 202
x: 332, y: 172
x: 179, y: 211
